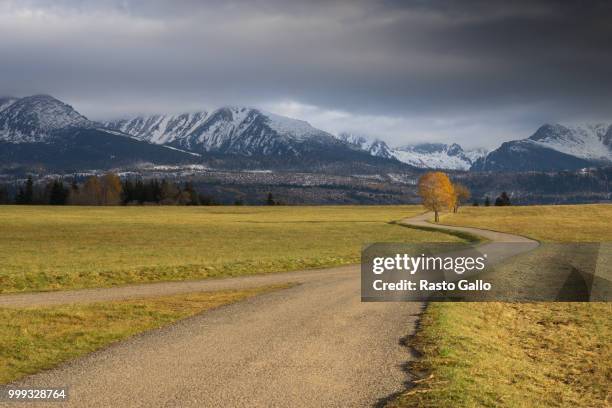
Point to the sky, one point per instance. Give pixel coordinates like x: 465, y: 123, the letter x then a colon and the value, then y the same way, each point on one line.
x: 472, y: 72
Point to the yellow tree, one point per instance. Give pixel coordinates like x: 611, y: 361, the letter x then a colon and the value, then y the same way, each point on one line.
x: 436, y: 191
x: 462, y: 195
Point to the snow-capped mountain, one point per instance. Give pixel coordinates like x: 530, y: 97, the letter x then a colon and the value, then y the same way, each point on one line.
x: 423, y: 155
x: 553, y: 147
x: 159, y: 129
x: 229, y: 130
x: 35, y: 118
x: 438, y: 156
x: 375, y: 147
x: 43, y: 132
x: 589, y: 142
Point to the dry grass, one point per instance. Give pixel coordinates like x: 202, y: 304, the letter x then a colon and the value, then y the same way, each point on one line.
x: 566, y: 223
x: 518, y: 354
x: 33, y: 339
x: 513, y: 355
x: 49, y: 248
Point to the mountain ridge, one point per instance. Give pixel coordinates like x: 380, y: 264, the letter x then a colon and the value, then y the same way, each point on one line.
x: 35, y: 118
x: 553, y: 147
x: 249, y: 137
x: 438, y: 156
x: 42, y: 132
x: 421, y: 155
x: 228, y: 129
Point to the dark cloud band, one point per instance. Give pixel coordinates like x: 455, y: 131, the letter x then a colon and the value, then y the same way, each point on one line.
x: 535, y: 61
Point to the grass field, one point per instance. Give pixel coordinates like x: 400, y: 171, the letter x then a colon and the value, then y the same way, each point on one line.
x: 49, y: 248
x: 518, y: 354
x: 474, y: 354
x: 33, y: 339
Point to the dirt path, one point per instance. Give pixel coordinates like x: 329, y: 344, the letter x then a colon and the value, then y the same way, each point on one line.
x: 312, y: 345
x: 492, y: 247
x: 168, y: 288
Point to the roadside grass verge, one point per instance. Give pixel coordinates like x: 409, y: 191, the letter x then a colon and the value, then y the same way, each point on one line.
x: 518, y: 354
x: 33, y: 339
x: 66, y: 247
x: 513, y: 355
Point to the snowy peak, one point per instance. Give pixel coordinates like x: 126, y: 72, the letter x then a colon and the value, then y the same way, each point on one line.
x: 438, y: 156
x: 375, y: 147
x: 553, y: 147
x: 35, y: 118
x: 422, y: 155
x: 589, y: 142
x: 475, y: 154
x: 229, y: 129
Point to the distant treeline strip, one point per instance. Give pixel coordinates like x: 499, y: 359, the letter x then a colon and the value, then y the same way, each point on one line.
x: 108, y: 189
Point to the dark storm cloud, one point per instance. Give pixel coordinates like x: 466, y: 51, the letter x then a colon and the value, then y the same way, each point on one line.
x: 401, y: 70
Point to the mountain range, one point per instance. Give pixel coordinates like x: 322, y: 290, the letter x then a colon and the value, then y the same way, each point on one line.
x: 422, y: 155
x: 550, y: 148
x: 231, y: 130
x: 42, y: 132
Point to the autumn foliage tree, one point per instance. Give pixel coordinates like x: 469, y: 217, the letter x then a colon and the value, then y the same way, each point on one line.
x: 462, y: 195
x: 437, y: 192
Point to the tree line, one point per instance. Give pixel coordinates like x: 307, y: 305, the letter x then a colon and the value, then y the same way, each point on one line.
x: 108, y: 189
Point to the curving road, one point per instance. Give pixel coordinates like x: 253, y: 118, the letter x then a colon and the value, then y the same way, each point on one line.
x: 312, y: 345
x: 491, y: 247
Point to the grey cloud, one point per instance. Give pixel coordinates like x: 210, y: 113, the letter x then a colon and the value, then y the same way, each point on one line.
x: 478, y: 71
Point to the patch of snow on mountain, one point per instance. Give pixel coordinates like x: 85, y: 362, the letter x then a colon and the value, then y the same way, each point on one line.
x: 375, y: 147
x: 475, y: 154
x: 6, y: 101
x: 160, y: 129
x: 183, y: 151
x: 435, y: 160
x: 298, y: 129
